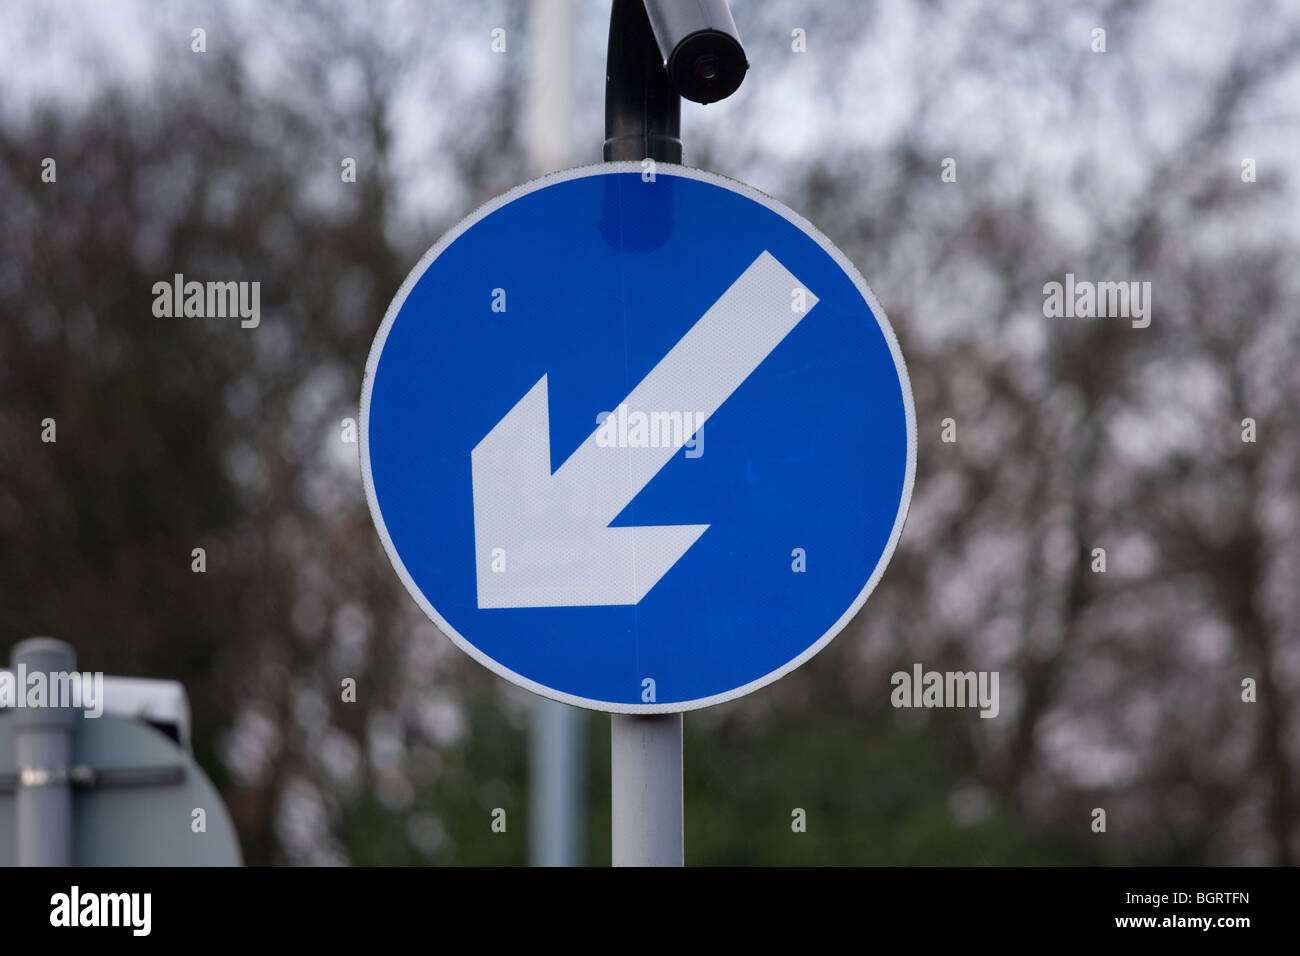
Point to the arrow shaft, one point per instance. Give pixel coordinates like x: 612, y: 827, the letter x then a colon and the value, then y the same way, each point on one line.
x: 698, y: 374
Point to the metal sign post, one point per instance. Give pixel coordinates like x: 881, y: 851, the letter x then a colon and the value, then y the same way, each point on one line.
x: 533, y: 428
x: 102, y: 782
x: 556, y: 762
x: 643, y: 121
x: 43, y: 751
x: 647, y: 816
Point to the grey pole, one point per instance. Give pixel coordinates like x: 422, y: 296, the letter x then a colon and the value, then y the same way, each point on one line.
x: 557, y: 777
x: 646, y: 796
x: 43, y: 749
x: 642, y: 119
x: 557, y: 773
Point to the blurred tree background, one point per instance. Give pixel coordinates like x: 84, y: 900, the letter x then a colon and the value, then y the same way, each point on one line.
x: 1120, y: 690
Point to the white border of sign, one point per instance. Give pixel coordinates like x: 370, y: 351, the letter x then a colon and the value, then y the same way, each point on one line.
x: 661, y: 169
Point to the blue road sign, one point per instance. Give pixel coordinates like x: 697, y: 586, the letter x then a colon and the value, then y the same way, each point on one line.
x: 639, y: 440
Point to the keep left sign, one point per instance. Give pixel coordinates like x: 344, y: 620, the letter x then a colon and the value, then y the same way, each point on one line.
x: 640, y: 443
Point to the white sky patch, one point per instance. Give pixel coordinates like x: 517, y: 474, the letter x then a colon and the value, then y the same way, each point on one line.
x: 791, y: 104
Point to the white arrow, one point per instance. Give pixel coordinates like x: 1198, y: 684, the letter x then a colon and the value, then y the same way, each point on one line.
x: 543, y: 539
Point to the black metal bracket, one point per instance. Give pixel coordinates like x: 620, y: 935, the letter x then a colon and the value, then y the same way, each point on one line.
x: 659, y: 51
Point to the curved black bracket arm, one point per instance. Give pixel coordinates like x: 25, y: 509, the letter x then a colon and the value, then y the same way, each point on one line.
x: 659, y: 51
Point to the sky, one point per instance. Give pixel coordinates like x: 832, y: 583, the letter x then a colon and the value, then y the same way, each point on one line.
x: 790, y: 106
